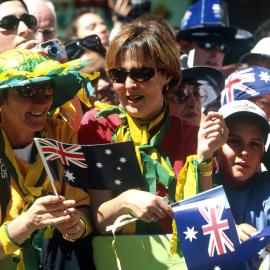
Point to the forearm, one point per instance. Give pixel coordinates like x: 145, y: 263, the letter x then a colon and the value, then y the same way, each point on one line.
x: 13, y: 235
x: 106, y: 212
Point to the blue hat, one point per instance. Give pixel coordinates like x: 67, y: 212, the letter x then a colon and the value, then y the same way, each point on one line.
x: 209, y: 18
x: 246, y: 83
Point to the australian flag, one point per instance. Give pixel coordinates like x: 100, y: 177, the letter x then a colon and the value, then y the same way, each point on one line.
x: 208, y: 235
x: 105, y: 166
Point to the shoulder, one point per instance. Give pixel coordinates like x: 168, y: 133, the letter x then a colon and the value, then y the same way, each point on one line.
x: 95, y: 130
x: 60, y: 130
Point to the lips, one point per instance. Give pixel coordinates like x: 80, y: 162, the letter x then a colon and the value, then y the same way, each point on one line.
x: 134, y: 99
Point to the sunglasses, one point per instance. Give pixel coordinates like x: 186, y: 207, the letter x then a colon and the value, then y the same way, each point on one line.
x: 206, y: 45
x: 142, y: 74
x: 31, y: 90
x: 11, y: 22
x: 182, y: 96
x: 75, y: 48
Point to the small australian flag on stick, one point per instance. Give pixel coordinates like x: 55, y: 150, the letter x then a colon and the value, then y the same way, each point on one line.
x: 111, y: 166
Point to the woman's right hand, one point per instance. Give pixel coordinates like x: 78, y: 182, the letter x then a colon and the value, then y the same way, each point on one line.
x: 28, y: 44
x: 48, y: 210
x: 144, y: 205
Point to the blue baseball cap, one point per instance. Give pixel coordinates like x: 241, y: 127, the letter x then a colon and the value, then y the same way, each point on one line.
x: 209, y: 18
x: 246, y: 83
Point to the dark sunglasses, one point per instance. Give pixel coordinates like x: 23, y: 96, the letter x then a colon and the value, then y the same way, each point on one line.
x: 11, y: 22
x: 142, y: 74
x: 31, y: 90
x: 206, y: 45
x: 75, y: 48
x: 182, y: 96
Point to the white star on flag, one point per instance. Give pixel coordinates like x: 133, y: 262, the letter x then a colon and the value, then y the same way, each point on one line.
x: 118, y: 168
x: 264, y: 76
x: 190, y: 234
x: 69, y: 175
x: 123, y: 159
x: 262, y: 253
x: 217, y: 267
x: 118, y: 182
x: 99, y: 164
x: 108, y: 151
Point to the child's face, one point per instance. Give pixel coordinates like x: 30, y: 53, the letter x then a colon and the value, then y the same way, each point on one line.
x: 241, y: 156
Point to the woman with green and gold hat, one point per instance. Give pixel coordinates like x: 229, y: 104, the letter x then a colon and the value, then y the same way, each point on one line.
x: 31, y: 85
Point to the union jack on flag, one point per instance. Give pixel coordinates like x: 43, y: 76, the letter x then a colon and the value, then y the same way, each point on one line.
x: 69, y: 153
x: 246, y: 83
x: 215, y: 227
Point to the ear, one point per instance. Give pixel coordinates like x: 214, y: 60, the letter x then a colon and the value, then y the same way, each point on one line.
x: 185, y: 46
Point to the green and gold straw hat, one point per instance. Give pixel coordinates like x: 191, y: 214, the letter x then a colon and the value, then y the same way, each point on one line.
x: 20, y: 67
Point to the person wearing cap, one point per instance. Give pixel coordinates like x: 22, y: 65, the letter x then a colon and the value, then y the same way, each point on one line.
x: 238, y: 168
x: 252, y: 83
x: 31, y: 85
x: 259, y: 55
x: 205, y: 28
x: 199, y: 91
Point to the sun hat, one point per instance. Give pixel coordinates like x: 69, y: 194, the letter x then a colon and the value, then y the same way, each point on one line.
x: 210, y: 79
x: 261, y: 49
x: 247, y: 109
x: 209, y: 18
x: 246, y: 83
x: 19, y: 67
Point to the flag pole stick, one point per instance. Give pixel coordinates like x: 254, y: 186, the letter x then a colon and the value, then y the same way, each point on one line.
x: 48, y: 171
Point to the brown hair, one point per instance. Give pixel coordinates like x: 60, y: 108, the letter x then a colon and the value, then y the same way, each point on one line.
x: 151, y: 45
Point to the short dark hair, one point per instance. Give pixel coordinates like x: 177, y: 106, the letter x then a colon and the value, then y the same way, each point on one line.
x: 79, y: 13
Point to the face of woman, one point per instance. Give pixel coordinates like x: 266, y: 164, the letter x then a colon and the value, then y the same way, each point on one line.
x: 11, y: 39
x: 241, y: 156
x: 186, y: 104
x: 24, y: 115
x: 142, y: 100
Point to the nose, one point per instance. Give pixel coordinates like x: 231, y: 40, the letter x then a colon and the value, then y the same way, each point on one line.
x: 39, y: 98
x: 39, y: 36
x: 129, y: 83
x: 245, y: 153
x: 23, y: 30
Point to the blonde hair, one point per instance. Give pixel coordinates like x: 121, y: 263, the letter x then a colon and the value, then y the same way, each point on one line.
x: 151, y: 45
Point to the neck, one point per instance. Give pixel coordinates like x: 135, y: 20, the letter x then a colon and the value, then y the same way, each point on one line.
x: 17, y: 138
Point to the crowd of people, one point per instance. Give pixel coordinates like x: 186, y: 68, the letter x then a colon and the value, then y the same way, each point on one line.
x: 164, y: 89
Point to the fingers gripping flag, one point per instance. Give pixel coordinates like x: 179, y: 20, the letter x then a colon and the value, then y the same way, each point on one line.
x: 206, y: 229
x: 105, y: 166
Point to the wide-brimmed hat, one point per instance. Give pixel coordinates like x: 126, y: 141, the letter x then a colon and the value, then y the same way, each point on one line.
x: 247, y: 109
x: 19, y: 67
x: 209, y: 18
x: 260, y: 50
x: 211, y: 79
x: 246, y: 83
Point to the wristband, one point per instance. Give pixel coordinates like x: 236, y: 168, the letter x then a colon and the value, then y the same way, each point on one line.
x: 10, y: 246
x: 205, y: 167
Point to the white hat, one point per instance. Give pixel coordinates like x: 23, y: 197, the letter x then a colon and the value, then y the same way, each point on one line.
x: 248, y: 109
x: 261, y: 49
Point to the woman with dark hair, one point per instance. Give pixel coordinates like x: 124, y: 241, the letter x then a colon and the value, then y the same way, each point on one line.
x: 17, y: 27
x: 143, y: 64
